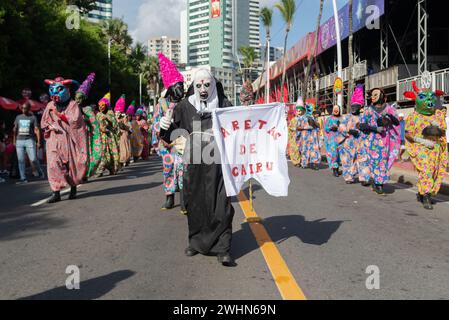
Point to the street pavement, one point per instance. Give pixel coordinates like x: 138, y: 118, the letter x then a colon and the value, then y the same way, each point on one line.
x: 328, y: 233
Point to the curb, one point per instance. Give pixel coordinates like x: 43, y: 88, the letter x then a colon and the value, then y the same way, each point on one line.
x: 411, y: 178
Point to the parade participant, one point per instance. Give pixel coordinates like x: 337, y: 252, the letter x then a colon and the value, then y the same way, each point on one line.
x: 247, y: 94
x: 382, y: 125
x: 171, y: 158
x: 426, y: 143
x: 334, y: 138
x: 353, y: 153
x: 125, y: 130
x: 144, y: 128
x: 92, y: 126
x: 65, y: 132
x: 210, y: 211
x: 110, y: 157
x: 136, y: 135
x: 27, y: 139
x: 309, y: 138
x: 293, y: 147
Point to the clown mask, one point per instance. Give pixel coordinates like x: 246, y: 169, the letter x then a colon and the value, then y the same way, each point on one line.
x: 377, y: 97
x: 336, y: 111
x: 426, y: 101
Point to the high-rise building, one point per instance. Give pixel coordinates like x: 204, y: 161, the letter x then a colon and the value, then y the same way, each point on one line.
x: 184, y: 37
x: 103, y: 11
x: 216, y: 29
x: 170, y: 47
x: 275, y: 53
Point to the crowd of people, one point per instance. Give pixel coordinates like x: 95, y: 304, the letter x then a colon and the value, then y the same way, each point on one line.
x: 83, y: 141
x: 363, y: 145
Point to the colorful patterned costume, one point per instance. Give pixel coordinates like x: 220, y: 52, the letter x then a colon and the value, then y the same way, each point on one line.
x: 333, y: 141
x: 353, y: 154
x: 110, y: 156
x: 172, y: 161
x: 144, y: 128
x: 293, y: 147
x: 93, y: 141
x: 428, y: 151
x: 66, y: 146
x: 383, y: 148
x: 136, y: 137
x: 309, y: 142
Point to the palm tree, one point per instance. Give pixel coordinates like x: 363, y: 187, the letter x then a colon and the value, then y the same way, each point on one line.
x: 287, y: 9
x: 351, y: 54
x: 309, y: 64
x: 266, y: 15
x: 150, y: 72
x: 117, y: 31
x: 249, y: 56
x: 138, y: 56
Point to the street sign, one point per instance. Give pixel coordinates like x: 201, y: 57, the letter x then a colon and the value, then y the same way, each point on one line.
x: 338, y: 86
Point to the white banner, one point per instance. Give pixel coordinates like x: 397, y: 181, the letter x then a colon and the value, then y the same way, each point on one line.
x: 252, y: 142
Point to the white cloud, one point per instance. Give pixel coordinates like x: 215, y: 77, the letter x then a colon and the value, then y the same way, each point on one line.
x: 158, y: 18
x: 161, y: 18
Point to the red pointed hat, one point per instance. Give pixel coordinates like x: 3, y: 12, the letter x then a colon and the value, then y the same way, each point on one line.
x: 169, y: 71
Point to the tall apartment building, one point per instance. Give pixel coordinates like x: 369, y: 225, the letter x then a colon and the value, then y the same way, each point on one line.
x: 170, y: 47
x: 216, y: 29
x: 275, y: 53
x: 103, y: 11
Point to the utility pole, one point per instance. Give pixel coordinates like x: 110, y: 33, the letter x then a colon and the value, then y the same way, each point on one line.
x: 339, y: 54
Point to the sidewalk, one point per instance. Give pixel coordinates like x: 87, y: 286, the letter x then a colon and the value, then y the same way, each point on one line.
x: 404, y: 172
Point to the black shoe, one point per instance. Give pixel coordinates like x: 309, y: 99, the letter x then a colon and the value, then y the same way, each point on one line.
x: 379, y: 189
x: 190, y: 252
x: 365, y: 184
x: 169, y: 202
x: 56, y: 197
x: 336, y: 173
x: 72, y: 195
x: 419, y: 198
x: 350, y: 182
x: 427, y: 202
x: 225, y: 259
x: 316, y: 167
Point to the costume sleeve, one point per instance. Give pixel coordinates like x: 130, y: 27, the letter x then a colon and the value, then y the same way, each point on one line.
x: 176, y: 124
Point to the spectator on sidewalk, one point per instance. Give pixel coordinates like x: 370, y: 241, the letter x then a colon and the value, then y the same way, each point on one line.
x: 27, y: 140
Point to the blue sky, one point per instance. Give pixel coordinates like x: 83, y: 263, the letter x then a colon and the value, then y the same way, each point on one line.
x: 148, y: 18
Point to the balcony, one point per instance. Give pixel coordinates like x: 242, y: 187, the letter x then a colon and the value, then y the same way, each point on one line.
x: 383, y: 79
x: 439, y: 81
x: 359, y: 71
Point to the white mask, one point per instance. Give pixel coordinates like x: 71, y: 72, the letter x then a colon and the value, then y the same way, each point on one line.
x: 205, y: 98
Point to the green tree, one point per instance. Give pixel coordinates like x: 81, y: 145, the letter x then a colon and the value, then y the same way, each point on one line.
x: 249, y: 57
x: 287, y: 8
x: 266, y: 15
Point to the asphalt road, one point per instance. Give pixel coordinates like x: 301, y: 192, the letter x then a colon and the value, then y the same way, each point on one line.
x: 328, y: 233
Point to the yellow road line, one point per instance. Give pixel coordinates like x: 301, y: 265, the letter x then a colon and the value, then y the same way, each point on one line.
x: 286, y: 283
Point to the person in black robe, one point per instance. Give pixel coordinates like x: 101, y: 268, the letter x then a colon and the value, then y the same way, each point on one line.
x: 210, y: 212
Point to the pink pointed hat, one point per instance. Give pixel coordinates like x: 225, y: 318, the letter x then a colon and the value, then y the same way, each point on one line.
x: 131, y: 109
x: 169, y: 72
x: 358, y: 97
x: 120, y: 105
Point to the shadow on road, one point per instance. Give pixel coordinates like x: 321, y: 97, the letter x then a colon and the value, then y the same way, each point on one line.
x: 119, y: 190
x: 281, y: 228
x: 89, y: 289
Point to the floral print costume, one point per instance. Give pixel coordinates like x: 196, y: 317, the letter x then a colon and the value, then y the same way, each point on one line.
x: 293, y: 148
x: 309, y: 142
x: 353, y: 153
x: 431, y: 164
x: 110, y: 156
x: 383, y: 149
x: 333, y: 141
x: 93, y: 141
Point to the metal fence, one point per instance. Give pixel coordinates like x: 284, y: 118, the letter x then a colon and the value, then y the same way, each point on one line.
x: 439, y: 81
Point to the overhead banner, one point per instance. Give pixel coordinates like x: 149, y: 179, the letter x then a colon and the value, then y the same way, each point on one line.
x: 364, y: 14
x: 252, y: 142
x: 215, y: 9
